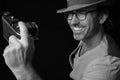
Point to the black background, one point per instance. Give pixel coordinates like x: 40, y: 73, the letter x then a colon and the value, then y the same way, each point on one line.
x: 56, y: 42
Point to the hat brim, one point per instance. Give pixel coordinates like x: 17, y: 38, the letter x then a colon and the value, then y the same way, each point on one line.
x: 75, y: 7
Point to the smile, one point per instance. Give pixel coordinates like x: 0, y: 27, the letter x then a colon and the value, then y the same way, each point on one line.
x: 76, y: 29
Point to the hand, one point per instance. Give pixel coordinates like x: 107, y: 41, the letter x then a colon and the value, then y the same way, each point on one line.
x: 18, y: 53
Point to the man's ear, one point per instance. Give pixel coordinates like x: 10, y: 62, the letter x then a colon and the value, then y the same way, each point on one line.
x: 103, y: 18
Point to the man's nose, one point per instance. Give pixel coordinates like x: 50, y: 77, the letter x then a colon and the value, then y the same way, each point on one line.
x: 74, y: 20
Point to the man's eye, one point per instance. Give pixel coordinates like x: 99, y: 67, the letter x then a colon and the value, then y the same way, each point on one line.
x: 82, y: 16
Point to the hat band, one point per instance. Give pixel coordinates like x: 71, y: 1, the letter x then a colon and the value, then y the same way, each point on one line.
x: 79, y: 2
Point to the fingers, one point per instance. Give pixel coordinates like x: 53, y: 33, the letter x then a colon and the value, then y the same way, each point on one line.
x: 23, y: 33
x: 13, y: 43
x: 12, y: 53
x: 13, y: 40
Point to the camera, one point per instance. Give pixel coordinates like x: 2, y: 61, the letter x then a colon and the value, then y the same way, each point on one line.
x: 10, y: 27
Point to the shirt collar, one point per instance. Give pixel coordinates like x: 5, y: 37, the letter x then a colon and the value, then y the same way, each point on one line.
x: 102, y: 46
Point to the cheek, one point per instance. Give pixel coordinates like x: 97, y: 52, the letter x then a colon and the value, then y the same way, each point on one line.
x: 89, y: 27
x: 93, y: 27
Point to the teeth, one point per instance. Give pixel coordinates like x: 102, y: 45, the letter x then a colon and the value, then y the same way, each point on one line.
x: 78, y: 29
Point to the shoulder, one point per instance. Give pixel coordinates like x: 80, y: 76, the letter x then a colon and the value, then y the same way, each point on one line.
x: 107, y: 60
x: 113, y: 47
x: 103, y: 67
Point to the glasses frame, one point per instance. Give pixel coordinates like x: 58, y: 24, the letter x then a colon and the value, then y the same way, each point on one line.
x: 78, y: 13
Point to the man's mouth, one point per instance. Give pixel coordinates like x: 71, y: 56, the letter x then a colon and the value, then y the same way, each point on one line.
x: 78, y: 30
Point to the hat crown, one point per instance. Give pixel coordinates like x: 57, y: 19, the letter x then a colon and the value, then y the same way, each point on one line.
x: 80, y: 2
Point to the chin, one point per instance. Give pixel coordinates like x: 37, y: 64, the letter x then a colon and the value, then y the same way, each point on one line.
x: 78, y: 37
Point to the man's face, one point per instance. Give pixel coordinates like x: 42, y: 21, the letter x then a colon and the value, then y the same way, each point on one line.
x: 83, y: 24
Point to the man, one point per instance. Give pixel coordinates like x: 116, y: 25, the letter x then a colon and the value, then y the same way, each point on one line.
x: 94, y: 58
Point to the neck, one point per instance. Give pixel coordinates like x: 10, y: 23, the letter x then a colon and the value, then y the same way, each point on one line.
x: 94, y: 41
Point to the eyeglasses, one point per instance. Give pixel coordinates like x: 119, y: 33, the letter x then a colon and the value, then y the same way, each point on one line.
x: 80, y: 14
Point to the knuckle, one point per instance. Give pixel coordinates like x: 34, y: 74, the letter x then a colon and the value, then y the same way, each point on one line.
x: 11, y: 48
x: 13, y: 41
x: 8, y: 49
x: 12, y: 37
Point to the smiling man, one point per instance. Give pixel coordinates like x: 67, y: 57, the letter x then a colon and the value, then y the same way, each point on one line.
x: 95, y: 58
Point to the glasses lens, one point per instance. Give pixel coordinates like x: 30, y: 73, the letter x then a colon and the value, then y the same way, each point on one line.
x: 68, y: 15
x: 81, y: 16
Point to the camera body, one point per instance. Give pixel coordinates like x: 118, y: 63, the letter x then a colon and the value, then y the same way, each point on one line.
x: 10, y: 27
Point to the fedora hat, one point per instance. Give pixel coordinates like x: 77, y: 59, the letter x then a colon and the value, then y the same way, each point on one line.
x: 80, y: 4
